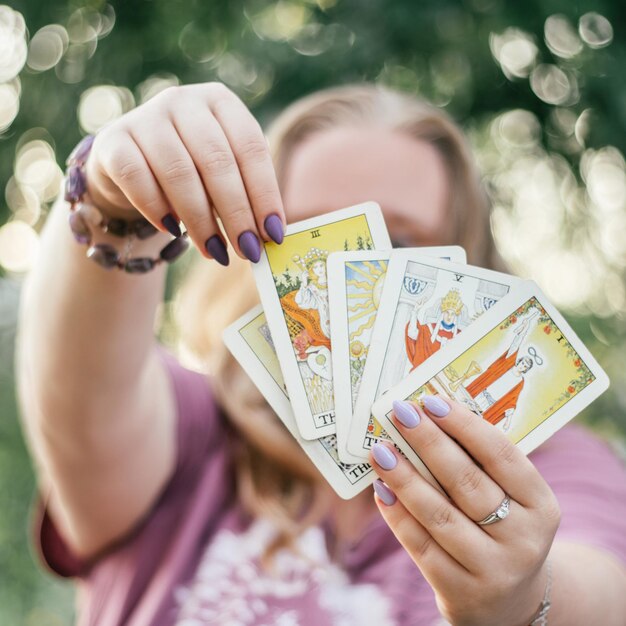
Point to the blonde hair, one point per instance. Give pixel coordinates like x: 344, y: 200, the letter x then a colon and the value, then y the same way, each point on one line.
x: 211, y: 297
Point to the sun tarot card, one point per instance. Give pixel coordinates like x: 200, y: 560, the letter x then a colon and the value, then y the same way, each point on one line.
x: 355, y: 281
x: 250, y: 342
x: 292, y: 284
x: 521, y: 367
x: 426, y: 303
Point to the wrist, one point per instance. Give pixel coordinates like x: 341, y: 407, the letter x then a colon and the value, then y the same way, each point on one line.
x: 540, y: 598
x: 89, y: 224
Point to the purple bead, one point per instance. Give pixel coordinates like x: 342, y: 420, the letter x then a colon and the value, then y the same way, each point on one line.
x: 174, y: 249
x: 143, y: 229
x: 118, y: 227
x: 103, y: 254
x: 80, y: 153
x: 139, y: 265
x: 79, y: 227
x: 75, y: 185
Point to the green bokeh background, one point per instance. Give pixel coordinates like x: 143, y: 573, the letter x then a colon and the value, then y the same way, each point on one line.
x: 270, y: 54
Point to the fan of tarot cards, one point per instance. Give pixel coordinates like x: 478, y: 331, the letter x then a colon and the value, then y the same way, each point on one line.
x: 347, y: 324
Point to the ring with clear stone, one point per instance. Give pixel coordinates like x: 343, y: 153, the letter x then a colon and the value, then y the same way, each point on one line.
x: 499, y: 514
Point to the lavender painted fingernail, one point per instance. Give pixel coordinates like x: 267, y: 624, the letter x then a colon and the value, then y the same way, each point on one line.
x: 274, y: 228
x: 383, y: 492
x: 406, y: 413
x: 216, y: 248
x: 384, y: 456
x: 169, y: 221
x: 436, y: 406
x: 250, y: 246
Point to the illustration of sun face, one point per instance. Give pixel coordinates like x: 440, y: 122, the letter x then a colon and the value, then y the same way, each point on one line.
x: 365, y: 283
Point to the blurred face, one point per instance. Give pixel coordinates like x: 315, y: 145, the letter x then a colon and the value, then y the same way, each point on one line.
x: 344, y: 166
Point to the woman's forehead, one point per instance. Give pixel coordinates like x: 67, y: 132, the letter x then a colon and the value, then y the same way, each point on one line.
x: 340, y: 167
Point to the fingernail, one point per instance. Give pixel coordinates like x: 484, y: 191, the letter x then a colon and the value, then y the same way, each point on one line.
x: 406, y: 413
x: 383, y: 492
x: 216, y: 248
x: 274, y: 228
x: 384, y: 456
x: 249, y: 245
x: 436, y: 406
x: 171, y: 224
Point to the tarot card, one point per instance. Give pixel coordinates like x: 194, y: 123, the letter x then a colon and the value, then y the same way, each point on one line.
x: 425, y: 304
x: 292, y: 284
x: 355, y: 281
x: 521, y: 367
x: 250, y: 342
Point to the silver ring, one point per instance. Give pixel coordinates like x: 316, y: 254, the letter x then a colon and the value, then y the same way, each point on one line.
x: 499, y: 514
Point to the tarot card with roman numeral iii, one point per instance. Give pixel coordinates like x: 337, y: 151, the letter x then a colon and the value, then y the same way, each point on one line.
x: 293, y: 286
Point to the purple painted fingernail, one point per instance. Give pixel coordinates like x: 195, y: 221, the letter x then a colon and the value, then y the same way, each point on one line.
x: 384, y: 456
x: 250, y: 246
x: 436, y: 406
x: 274, y: 228
x: 169, y: 221
x: 216, y: 248
x: 406, y: 413
x: 383, y: 492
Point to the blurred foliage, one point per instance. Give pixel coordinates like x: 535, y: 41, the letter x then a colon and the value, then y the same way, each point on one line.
x: 550, y: 59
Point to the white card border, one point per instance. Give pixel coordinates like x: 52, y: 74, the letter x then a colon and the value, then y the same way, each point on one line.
x: 278, y: 400
x: 382, y: 408
x: 338, y: 303
x: 274, y: 314
x: 382, y: 330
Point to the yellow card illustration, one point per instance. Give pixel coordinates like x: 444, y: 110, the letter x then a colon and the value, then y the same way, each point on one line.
x: 521, y: 367
x: 293, y: 286
x: 355, y: 282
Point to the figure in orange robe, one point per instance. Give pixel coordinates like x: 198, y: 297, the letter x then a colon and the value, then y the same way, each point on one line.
x: 427, y: 341
x: 507, y: 365
x: 423, y: 340
x: 308, y: 318
x: 500, y: 409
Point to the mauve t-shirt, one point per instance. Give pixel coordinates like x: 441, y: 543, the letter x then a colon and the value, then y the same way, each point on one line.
x: 194, y: 559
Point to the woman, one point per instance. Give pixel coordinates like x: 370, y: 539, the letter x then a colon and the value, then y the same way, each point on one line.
x: 174, y: 500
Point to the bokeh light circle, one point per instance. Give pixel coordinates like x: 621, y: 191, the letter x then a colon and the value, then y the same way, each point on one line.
x: 19, y: 245
x: 561, y: 37
x: 9, y: 103
x: 47, y: 47
x: 515, y: 51
x: 36, y: 167
x: 553, y: 85
x: 595, y: 30
x: 13, y: 47
x: 102, y: 104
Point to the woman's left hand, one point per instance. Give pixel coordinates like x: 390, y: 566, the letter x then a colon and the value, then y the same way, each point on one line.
x: 481, y: 574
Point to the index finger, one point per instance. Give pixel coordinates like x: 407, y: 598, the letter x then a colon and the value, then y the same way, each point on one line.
x: 252, y: 154
x: 492, y: 449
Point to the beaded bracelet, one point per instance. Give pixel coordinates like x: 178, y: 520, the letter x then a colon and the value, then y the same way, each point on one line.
x: 84, y: 217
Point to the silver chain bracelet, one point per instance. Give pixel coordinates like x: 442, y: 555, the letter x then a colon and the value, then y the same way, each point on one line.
x: 541, y: 618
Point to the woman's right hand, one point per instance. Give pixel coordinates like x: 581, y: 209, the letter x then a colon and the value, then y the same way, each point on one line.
x: 192, y: 153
